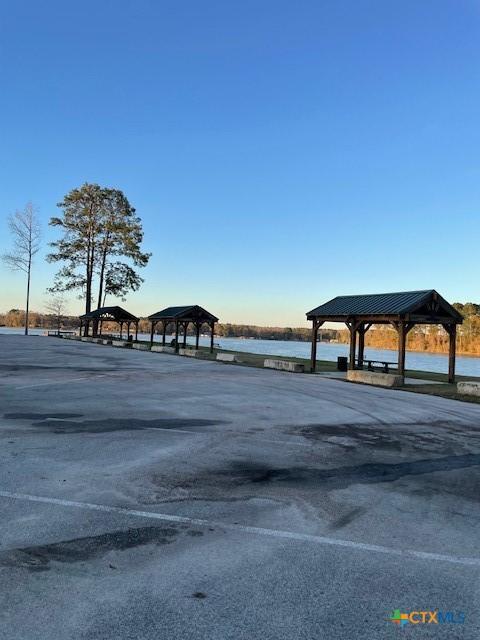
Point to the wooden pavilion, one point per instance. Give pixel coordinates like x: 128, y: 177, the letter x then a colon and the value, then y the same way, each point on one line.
x: 182, y: 317
x: 108, y: 314
x: 401, y: 310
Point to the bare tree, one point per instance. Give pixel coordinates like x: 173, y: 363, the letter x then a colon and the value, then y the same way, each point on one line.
x: 57, y: 307
x: 25, y: 229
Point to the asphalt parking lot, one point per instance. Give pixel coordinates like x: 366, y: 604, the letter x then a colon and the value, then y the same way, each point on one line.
x: 150, y: 496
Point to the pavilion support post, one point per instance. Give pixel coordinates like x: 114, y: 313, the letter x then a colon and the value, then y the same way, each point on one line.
x: 164, y: 333
x: 452, y: 333
x: 128, y: 331
x: 361, y: 344
x: 152, y: 330
x: 197, y: 335
x: 185, y: 329
x: 362, y: 330
x: 121, y: 330
x: 136, y: 331
x: 176, y: 336
x: 402, y: 346
x: 352, y: 326
x: 403, y: 329
x: 313, y: 355
x: 212, y: 335
x: 80, y: 329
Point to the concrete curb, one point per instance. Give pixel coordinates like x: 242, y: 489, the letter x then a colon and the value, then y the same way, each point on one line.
x: 227, y: 357
x: 469, y: 388
x: 284, y: 365
x: 189, y: 353
x: 140, y: 346
x: 378, y: 379
x: 121, y: 343
x: 162, y: 349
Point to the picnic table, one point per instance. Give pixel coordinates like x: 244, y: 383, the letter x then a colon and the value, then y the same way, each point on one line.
x: 59, y: 332
x: 372, y: 363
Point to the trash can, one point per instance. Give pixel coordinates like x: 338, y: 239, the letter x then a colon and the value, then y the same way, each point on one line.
x: 342, y: 363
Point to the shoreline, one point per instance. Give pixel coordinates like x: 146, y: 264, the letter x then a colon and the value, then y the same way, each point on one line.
x: 466, y: 354
x: 463, y: 354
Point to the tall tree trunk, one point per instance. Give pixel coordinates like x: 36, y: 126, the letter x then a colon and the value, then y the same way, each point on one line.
x: 102, y: 277
x: 88, y: 285
x: 27, y: 306
x: 88, y: 294
x: 92, y: 267
x: 90, y: 257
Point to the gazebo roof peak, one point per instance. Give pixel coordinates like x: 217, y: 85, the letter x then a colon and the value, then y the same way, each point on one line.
x: 427, y: 302
x: 192, y: 312
x: 119, y: 314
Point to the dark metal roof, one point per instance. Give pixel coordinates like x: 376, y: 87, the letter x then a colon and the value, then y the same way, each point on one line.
x: 385, y: 304
x: 110, y: 313
x: 193, y: 313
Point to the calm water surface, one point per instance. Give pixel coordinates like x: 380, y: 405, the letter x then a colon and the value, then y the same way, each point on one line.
x: 466, y: 365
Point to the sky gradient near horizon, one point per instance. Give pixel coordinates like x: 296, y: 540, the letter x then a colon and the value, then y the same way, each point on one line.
x: 279, y: 153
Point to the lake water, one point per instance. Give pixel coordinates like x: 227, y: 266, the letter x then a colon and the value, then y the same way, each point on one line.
x: 466, y: 365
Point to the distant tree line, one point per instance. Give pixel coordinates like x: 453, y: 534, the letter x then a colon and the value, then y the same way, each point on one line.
x: 421, y: 338
x: 300, y: 334
x: 16, y: 318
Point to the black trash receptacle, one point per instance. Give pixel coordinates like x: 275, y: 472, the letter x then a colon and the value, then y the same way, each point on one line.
x: 342, y: 363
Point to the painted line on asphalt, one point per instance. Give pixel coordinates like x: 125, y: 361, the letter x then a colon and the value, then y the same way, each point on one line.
x: 62, y: 381
x: 190, y: 433
x: 296, y: 444
x: 272, y: 533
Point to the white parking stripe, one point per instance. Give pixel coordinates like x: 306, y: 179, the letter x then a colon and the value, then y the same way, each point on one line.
x: 271, y: 441
x: 273, y: 533
x: 62, y: 381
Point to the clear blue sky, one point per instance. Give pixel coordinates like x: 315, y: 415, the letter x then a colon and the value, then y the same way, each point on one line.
x: 278, y: 152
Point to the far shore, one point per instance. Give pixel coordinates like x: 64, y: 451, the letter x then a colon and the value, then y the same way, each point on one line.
x: 466, y: 354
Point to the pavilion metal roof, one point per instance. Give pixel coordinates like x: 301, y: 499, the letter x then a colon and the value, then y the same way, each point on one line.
x: 110, y: 313
x: 386, y: 304
x: 186, y: 312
